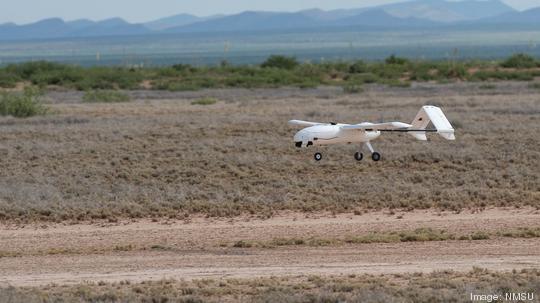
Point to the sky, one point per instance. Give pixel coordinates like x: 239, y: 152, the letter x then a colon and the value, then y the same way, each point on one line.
x: 26, y: 11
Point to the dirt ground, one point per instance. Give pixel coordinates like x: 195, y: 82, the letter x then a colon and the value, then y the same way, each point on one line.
x: 160, y: 188
x: 145, y: 250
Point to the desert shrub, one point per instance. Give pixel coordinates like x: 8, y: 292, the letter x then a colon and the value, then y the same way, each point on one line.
x: 424, y: 234
x: 520, y: 61
x: 452, y: 70
x: 243, y: 244
x: 358, y: 67
x: 523, y: 232
x: 44, y: 73
x: 183, y: 67
x: 204, y: 101
x: 109, y: 78
x: 363, y: 78
x: 8, y: 80
x: 393, y: 59
x: 22, y: 105
x: 28, y: 69
x: 389, y: 71
x: 423, y: 71
x: 105, y: 96
x: 479, y: 235
x: 282, y: 62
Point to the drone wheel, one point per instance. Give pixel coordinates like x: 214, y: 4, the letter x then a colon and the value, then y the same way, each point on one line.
x: 358, y: 156
x: 318, y: 156
x: 376, y: 156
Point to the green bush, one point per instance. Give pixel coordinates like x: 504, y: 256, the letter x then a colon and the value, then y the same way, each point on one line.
x: 28, y: 69
x: 520, y: 61
x: 22, y: 105
x: 358, y: 67
x: 452, y: 70
x: 281, y: 62
x: 396, y: 60
x: 105, y: 96
x: 8, y: 80
x: 276, y: 71
x: 183, y: 67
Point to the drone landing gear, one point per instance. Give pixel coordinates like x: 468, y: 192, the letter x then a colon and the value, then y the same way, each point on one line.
x: 358, y: 156
x: 375, y: 156
x: 318, y: 157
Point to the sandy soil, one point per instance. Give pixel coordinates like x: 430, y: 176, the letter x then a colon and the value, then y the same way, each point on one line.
x: 144, y: 250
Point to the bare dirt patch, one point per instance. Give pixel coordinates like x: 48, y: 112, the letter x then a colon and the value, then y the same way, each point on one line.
x: 68, y: 254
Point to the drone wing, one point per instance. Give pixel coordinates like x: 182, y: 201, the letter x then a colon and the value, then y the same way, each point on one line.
x: 377, y: 126
x: 303, y: 123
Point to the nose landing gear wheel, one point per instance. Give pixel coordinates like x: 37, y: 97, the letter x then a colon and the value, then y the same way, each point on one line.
x: 376, y: 156
x: 318, y: 156
x: 358, y: 156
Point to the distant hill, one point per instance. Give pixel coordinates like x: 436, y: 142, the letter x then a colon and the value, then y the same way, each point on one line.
x: 528, y: 17
x: 433, y: 10
x: 48, y: 28
x: 175, y: 21
x: 252, y: 21
x: 109, y: 27
x: 256, y: 21
x: 57, y: 28
x: 410, y: 14
x: 448, y: 11
x: 381, y: 19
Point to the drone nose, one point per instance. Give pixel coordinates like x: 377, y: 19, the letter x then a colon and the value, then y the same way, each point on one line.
x: 299, y: 136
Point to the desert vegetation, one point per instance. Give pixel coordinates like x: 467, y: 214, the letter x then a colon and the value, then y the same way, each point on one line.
x: 22, y: 104
x: 441, y: 286
x: 276, y: 71
x: 170, y: 159
x: 417, y: 235
x: 204, y: 101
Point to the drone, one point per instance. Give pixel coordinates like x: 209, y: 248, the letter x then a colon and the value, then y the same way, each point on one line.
x: 322, y: 134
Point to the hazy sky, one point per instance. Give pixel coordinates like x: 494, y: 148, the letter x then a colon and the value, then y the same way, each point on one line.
x: 24, y: 11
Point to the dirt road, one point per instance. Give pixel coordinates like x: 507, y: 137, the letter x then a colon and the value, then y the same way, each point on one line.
x: 203, y: 248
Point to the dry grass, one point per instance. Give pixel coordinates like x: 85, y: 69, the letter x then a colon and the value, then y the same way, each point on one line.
x: 168, y: 158
x: 417, y: 235
x: 444, y: 286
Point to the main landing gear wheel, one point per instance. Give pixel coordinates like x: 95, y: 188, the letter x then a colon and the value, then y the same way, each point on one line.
x: 358, y: 156
x: 318, y: 156
x: 376, y: 156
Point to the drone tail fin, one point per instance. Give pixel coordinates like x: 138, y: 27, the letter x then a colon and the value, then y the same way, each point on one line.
x: 436, y: 116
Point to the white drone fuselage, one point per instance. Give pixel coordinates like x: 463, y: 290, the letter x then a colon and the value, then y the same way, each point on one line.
x: 320, y: 134
x: 329, y: 134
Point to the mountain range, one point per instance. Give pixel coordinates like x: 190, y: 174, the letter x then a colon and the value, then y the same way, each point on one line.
x: 409, y: 14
